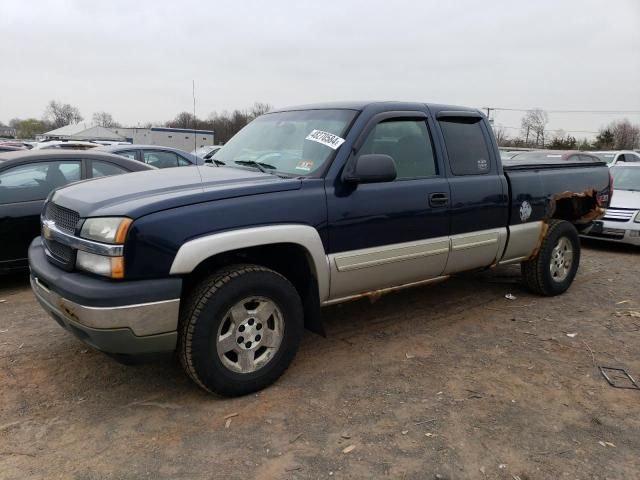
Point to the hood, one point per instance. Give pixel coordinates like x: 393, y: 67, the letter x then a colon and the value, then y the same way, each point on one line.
x: 140, y: 193
x: 625, y: 199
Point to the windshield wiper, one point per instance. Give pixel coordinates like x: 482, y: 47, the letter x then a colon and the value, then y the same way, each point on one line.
x: 259, y: 165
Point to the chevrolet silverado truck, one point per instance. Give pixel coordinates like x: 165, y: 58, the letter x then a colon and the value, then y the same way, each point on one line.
x: 305, y: 207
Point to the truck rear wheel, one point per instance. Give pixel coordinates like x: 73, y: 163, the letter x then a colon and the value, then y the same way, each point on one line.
x: 240, y: 329
x: 553, y: 269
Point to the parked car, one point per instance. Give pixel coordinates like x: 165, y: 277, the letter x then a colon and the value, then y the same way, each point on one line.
x: 14, y: 143
x: 27, y: 177
x: 10, y: 148
x: 66, y: 145
x: 614, y: 157
x: 621, y: 222
x: 506, y: 154
x: 206, y: 152
x: 155, y: 155
x: 552, y: 156
x: 311, y: 206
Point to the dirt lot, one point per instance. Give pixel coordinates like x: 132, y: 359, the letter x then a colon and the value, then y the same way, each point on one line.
x: 449, y: 381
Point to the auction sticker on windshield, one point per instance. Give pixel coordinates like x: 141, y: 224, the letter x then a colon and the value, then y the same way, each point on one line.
x: 325, y: 138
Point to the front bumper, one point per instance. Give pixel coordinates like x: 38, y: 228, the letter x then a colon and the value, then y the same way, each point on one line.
x: 135, y: 318
x: 612, y: 231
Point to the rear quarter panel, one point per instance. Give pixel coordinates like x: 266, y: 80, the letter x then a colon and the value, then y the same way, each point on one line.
x: 543, y: 187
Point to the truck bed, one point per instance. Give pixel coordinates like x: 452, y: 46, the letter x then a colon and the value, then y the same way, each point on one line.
x: 555, y: 188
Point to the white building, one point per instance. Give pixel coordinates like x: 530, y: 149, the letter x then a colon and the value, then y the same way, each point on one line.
x: 81, y: 131
x: 186, y: 139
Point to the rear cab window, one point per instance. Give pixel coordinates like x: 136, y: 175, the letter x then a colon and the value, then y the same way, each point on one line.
x: 466, y: 145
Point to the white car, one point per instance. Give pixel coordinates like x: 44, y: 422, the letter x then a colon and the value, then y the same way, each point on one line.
x: 621, y: 222
x: 206, y: 152
x: 613, y: 157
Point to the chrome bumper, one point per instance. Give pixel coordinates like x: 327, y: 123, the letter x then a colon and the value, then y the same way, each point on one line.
x: 619, y: 232
x: 142, y: 319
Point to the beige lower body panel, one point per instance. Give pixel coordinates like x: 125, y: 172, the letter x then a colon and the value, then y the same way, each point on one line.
x: 378, y: 268
x: 475, y: 250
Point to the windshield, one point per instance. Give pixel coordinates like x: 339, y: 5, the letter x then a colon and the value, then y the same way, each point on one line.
x: 605, y: 157
x: 293, y: 143
x: 626, y: 178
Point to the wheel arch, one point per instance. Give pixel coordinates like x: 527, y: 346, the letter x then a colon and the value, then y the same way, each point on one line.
x: 295, y: 251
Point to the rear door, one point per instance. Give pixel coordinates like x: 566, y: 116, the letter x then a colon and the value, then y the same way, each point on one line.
x: 479, y: 194
x: 392, y: 233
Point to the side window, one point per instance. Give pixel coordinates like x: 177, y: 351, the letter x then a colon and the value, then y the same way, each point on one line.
x: 622, y: 158
x: 105, y: 169
x: 466, y: 146
x: 408, y: 142
x: 633, y: 157
x: 183, y: 162
x: 160, y: 159
x: 128, y: 154
x: 34, y: 181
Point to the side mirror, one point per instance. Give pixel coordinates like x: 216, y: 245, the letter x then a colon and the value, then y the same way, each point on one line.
x: 371, y: 168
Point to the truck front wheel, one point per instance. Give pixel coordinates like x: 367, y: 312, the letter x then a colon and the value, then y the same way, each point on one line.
x: 240, y: 329
x: 553, y: 269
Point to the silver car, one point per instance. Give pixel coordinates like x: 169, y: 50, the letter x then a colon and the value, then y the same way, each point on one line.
x: 621, y: 222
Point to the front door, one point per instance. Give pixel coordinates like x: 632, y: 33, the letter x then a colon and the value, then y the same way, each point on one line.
x: 393, y: 233
x: 23, y: 189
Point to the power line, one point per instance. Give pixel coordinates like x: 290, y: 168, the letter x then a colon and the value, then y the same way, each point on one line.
x: 606, y: 112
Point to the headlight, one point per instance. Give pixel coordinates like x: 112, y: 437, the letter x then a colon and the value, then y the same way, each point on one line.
x: 637, y: 219
x: 106, y: 229
x: 112, y: 267
x: 111, y: 230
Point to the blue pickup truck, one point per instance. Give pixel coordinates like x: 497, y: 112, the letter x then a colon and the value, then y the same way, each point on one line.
x: 309, y: 206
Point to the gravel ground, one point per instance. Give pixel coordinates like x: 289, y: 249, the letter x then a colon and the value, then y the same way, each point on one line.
x: 449, y: 381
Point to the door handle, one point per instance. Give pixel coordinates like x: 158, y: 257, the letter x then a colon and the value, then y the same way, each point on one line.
x: 439, y: 199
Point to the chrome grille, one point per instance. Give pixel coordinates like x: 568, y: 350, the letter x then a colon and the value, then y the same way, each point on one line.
x: 60, y: 252
x: 65, y: 219
x: 618, y: 214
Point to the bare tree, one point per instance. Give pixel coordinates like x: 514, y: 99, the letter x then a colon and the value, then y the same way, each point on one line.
x: 182, y: 120
x: 625, y: 135
x: 60, y: 114
x: 534, y: 125
x: 104, y: 119
x: 501, y: 135
x: 259, y: 108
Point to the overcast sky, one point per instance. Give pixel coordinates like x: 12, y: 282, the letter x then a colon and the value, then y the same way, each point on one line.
x: 136, y: 59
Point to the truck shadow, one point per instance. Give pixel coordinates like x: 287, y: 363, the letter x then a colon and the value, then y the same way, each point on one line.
x: 14, y: 281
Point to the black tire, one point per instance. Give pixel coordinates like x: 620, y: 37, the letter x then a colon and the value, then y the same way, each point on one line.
x: 536, y: 272
x: 207, y: 308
